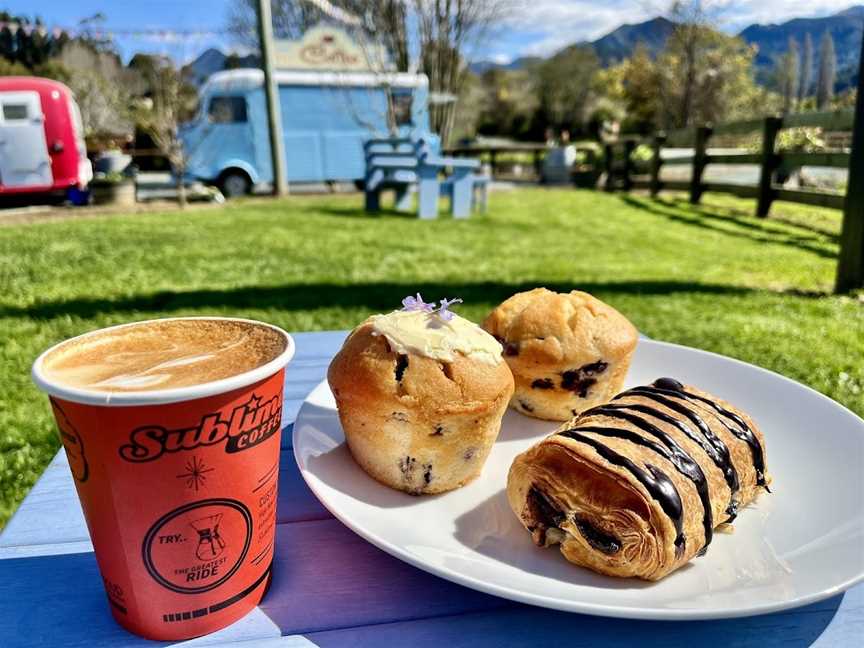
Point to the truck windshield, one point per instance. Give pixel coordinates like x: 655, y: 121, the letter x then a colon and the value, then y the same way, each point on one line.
x: 403, y: 100
x: 227, y: 110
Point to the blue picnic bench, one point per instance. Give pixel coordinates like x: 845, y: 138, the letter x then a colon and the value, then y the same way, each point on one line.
x: 332, y: 589
x: 405, y: 164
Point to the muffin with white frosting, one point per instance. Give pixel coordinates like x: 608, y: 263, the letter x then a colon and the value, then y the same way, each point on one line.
x: 421, y: 393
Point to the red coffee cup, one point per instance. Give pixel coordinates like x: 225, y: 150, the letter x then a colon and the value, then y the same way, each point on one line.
x: 178, y: 487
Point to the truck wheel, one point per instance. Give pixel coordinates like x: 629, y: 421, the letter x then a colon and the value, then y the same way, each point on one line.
x: 234, y: 184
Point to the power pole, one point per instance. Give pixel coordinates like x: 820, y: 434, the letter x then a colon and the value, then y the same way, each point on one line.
x: 274, y: 113
x: 850, y: 268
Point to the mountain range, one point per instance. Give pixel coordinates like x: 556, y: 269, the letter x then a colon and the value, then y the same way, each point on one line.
x: 214, y: 60
x: 771, y: 42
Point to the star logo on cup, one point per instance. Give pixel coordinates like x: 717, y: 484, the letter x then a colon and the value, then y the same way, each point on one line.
x: 254, y: 403
x: 196, y: 473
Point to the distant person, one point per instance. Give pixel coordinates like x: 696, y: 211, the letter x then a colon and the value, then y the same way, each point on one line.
x: 558, y: 163
x: 610, y: 130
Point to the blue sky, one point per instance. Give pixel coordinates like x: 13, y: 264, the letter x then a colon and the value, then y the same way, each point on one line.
x: 547, y: 26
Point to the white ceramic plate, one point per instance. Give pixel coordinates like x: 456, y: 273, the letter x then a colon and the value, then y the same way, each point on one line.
x: 798, y: 545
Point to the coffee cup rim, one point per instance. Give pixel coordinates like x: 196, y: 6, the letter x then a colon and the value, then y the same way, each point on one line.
x: 161, y: 396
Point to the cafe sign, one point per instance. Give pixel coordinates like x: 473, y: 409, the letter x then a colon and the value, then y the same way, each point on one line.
x: 328, y: 48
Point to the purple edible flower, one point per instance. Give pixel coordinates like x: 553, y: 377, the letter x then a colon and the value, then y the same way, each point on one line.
x: 445, y: 314
x: 417, y: 304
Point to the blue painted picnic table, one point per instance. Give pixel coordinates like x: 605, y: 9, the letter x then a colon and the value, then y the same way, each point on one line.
x: 403, y: 163
x: 331, y: 588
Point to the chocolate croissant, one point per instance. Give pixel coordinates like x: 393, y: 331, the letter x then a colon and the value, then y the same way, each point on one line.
x: 636, y: 487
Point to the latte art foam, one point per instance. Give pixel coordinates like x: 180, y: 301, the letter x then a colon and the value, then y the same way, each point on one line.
x: 163, y: 355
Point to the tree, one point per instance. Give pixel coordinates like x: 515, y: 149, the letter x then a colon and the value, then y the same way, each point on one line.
x: 564, y: 88
x: 170, y: 102
x: 507, y: 102
x: 806, y: 69
x: 446, y: 31
x: 635, y: 85
x: 91, y: 32
x: 788, y: 81
x: 27, y: 41
x: 101, y: 87
x: 705, y: 76
x: 702, y: 76
x: 690, y: 36
x: 9, y: 68
x: 827, y: 71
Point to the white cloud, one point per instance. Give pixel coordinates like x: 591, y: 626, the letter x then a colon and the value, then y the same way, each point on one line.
x: 556, y: 23
x: 501, y: 59
x: 737, y: 14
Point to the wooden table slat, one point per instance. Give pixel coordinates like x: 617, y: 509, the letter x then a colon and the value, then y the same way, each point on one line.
x: 524, y: 625
x: 325, y: 576
x: 296, y: 503
x: 59, y: 601
x: 50, y: 514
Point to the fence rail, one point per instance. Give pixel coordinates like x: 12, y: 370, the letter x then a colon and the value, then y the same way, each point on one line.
x: 493, y: 152
x: 619, y: 166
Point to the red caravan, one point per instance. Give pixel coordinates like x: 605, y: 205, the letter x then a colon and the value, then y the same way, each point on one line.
x: 42, y: 146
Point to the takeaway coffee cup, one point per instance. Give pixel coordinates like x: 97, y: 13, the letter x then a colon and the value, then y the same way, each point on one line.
x: 175, y: 457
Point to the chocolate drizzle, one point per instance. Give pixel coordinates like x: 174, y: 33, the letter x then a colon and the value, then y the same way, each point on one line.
x: 711, y: 443
x: 741, y: 430
x: 672, y: 452
x: 655, y: 481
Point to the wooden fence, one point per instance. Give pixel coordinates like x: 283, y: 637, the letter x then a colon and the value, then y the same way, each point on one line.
x: 620, y: 166
x: 620, y: 172
x: 491, y: 154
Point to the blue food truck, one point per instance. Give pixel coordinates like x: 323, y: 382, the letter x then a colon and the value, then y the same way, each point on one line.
x: 326, y: 117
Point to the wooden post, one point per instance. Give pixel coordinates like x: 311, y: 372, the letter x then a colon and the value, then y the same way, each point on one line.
x: 591, y: 163
x: 850, y: 267
x: 274, y: 113
x: 700, y: 160
x: 608, y: 164
x: 629, y: 146
x: 657, y: 163
x: 492, y: 156
x: 768, y: 165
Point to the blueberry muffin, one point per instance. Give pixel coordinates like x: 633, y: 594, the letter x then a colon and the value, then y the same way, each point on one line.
x: 420, y: 398
x: 568, y: 352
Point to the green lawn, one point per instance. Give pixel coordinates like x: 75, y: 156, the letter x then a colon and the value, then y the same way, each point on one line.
x: 712, y: 277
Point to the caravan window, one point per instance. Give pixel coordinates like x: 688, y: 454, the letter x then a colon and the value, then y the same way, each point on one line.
x: 227, y: 110
x: 402, y: 103
x: 13, y: 112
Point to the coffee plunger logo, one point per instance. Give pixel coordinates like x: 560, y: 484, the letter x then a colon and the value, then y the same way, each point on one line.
x: 210, y: 543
